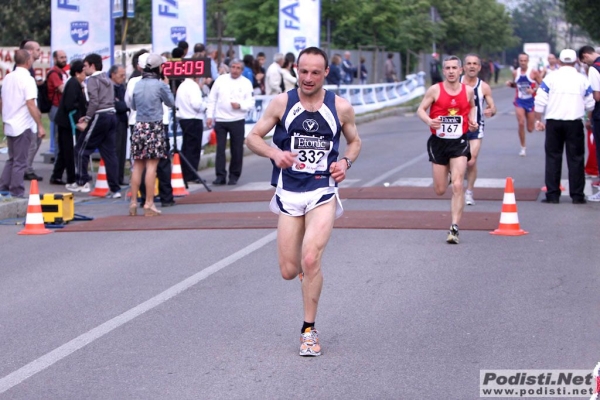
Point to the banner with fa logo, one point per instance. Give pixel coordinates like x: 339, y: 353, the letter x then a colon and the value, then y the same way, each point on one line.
x: 299, y: 25
x: 177, y: 20
x: 83, y: 27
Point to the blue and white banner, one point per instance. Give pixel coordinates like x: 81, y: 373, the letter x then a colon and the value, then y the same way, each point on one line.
x: 299, y: 25
x: 177, y: 20
x: 83, y: 27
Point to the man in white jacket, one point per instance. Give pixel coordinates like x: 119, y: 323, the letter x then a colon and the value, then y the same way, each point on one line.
x: 190, y: 111
x: 274, y: 79
x: 229, y: 101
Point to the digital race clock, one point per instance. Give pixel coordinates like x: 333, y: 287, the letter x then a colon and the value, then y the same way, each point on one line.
x: 187, y: 68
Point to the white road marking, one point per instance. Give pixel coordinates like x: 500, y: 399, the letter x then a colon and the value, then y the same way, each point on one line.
x: 49, y: 359
x: 399, y: 168
x: 264, y: 185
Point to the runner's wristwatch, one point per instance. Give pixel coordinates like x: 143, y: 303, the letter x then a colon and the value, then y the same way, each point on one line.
x: 348, y: 162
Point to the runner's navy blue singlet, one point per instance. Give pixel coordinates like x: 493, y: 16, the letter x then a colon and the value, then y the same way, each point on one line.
x: 315, y: 137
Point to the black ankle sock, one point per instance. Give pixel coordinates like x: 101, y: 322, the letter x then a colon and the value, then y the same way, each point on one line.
x: 307, y: 325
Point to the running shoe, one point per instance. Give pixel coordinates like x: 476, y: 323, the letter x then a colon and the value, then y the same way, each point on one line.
x: 113, y: 195
x: 595, y: 197
x: 452, y: 234
x: 74, y: 187
x: 523, y: 152
x: 309, y: 343
x: 469, y: 198
x: 596, y: 184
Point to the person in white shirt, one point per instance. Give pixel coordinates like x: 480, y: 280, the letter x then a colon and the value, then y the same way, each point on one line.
x: 190, y: 113
x: 22, y: 120
x: 564, y: 96
x: 228, y: 103
x: 274, y: 78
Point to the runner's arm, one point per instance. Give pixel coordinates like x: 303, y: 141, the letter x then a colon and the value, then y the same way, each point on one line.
x: 490, y: 109
x: 353, y: 143
x: 473, y: 125
x: 428, y: 100
x: 255, y: 140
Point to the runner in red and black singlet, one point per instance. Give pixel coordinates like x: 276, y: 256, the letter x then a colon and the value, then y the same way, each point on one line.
x: 452, y: 114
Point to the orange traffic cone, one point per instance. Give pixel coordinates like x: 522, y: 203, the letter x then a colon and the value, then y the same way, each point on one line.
x: 591, y: 166
x: 34, y: 221
x: 179, y: 189
x: 509, y: 219
x: 213, y: 138
x: 101, y: 188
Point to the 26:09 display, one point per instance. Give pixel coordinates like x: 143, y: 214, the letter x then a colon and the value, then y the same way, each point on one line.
x: 186, y: 69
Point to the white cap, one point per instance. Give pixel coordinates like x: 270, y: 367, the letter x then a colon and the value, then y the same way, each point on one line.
x: 568, y: 56
x: 142, y: 60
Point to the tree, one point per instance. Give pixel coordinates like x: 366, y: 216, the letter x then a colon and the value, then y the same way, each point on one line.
x: 585, y: 14
x: 252, y: 22
x: 139, y: 29
x: 21, y: 19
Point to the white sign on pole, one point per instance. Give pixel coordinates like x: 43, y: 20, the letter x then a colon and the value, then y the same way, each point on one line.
x: 177, y: 20
x: 83, y: 27
x: 538, y: 54
x: 299, y: 25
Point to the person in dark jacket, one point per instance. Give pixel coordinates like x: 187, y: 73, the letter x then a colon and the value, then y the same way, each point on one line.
x: 335, y: 72
x: 116, y: 74
x: 72, y: 106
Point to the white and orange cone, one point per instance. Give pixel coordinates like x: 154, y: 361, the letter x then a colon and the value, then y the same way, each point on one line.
x: 509, y: 219
x: 34, y: 221
x: 101, y: 188
x: 177, y: 183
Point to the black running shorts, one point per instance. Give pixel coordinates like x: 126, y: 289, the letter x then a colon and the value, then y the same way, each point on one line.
x: 442, y: 150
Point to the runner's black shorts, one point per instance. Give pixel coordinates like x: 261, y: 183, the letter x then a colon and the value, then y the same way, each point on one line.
x: 442, y: 150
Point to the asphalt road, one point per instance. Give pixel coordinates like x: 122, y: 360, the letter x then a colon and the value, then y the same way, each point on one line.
x: 205, y: 314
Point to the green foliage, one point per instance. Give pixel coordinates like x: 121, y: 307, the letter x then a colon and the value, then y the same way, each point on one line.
x: 139, y: 29
x: 585, y: 14
x: 252, y: 22
x: 482, y: 26
x: 20, y: 19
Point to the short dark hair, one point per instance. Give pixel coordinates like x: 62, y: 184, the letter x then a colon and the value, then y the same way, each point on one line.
x: 585, y: 50
x: 183, y: 45
x: 199, y: 48
x: 390, y: 55
x: 95, y: 60
x: 261, y: 54
x: 177, y: 52
x: 248, y: 60
x: 136, y: 57
x: 316, y: 51
x: 21, y: 57
x: 76, y: 67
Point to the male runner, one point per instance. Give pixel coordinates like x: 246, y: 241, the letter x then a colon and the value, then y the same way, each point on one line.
x: 482, y: 92
x: 452, y: 113
x: 306, y: 170
x: 525, y: 80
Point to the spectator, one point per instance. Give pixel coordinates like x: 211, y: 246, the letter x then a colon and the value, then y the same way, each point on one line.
x: 390, y: 69
x: 117, y: 75
x: 72, y: 107
x: 183, y: 45
x: 228, y: 103
x: 274, y: 79
x: 334, y: 77
x: 149, y: 142
x: 55, y: 80
x: 259, y: 77
x: 564, y: 97
x: 348, y: 70
x: 22, y: 120
x: 363, y: 71
x: 190, y: 106
x: 288, y: 74
x: 497, y: 68
x: 99, y: 124
x: 34, y: 49
x: 248, y: 64
x: 435, y: 69
x: 137, y: 71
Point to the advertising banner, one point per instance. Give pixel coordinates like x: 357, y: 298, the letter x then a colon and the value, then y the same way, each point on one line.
x: 82, y: 27
x: 299, y: 25
x: 177, y: 20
